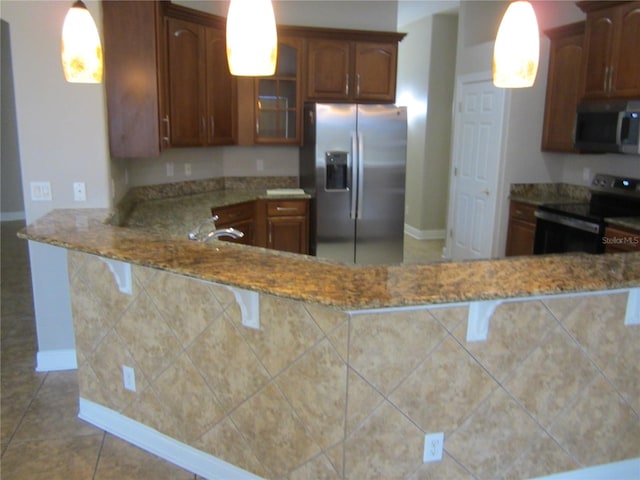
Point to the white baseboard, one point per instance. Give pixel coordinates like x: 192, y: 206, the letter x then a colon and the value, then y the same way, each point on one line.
x: 424, y: 234
x: 624, y: 470
x: 212, y: 468
x: 54, y: 360
x: 11, y: 216
x: 157, y: 443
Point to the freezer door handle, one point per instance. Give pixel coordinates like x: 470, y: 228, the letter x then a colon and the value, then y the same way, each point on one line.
x: 360, y: 175
x: 355, y: 160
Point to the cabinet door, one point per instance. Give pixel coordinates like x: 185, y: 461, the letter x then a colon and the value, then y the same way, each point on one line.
x: 220, y: 91
x: 240, y: 216
x: 564, y: 82
x: 612, y: 40
x: 287, y: 234
x: 619, y: 240
x: 626, y: 62
x: 328, y: 65
x: 522, y: 229
x: 375, y: 71
x: 277, y: 99
x: 185, y: 44
x: 131, y: 32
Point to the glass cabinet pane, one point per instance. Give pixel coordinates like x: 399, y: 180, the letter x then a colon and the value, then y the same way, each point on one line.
x: 287, y: 89
x: 277, y: 100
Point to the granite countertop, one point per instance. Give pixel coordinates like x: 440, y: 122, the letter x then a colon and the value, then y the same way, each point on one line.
x: 545, y: 193
x: 541, y: 193
x: 158, y: 215
x: 632, y: 223
x: 324, y: 282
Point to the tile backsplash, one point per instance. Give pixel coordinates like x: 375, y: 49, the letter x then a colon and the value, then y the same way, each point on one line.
x: 317, y: 393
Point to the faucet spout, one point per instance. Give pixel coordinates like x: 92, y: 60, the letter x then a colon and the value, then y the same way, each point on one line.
x: 203, y: 232
x: 224, y: 232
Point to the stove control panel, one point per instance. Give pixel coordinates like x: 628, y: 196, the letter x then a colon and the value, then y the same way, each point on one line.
x: 616, y: 185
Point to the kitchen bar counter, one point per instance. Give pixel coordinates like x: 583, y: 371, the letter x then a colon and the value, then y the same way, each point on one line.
x: 314, y: 280
x: 317, y: 375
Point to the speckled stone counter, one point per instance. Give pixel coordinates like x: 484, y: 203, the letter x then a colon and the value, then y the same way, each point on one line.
x: 540, y: 193
x: 324, y: 282
x: 176, y: 216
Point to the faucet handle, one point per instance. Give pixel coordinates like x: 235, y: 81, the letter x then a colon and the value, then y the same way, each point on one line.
x: 198, y: 234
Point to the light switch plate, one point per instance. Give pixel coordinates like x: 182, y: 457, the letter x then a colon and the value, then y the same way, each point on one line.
x: 41, y: 191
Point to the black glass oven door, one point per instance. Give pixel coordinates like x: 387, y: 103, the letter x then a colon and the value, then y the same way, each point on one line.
x: 554, y: 237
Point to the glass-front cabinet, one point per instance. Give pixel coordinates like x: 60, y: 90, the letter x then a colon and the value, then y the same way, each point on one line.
x: 277, y: 98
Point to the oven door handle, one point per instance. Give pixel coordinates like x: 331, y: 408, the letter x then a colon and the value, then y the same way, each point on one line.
x: 568, y: 221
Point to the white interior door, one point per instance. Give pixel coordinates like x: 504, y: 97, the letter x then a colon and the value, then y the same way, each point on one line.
x: 477, y: 147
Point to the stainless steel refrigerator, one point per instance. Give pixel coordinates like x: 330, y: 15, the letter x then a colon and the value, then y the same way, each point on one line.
x: 353, y: 163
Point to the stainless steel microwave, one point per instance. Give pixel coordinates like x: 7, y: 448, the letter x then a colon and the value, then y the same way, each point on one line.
x: 608, y: 126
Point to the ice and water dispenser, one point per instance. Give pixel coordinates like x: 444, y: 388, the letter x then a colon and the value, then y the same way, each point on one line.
x: 337, y: 171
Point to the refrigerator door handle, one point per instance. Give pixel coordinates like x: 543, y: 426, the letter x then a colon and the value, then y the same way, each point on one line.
x: 353, y: 180
x: 360, y: 188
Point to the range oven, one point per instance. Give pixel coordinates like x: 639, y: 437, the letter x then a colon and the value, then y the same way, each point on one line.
x: 580, y: 227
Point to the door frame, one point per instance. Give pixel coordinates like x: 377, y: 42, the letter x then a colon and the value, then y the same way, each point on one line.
x: 501, y: 198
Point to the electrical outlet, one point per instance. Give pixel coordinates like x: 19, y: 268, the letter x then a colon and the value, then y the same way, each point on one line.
x: 260, y: 164
x: 187, y: 169
x: 129, y: 378
x: 41, y: 191
x: 433, y: 445
x: 79, y: 192
x: 169, y: 169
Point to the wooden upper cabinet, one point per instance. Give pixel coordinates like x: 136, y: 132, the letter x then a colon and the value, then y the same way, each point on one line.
x: 131, y: 32
x: 200, y: 93
x: 185, y: 45
x: 611, y: 65
x: 375, y: 71
x: 277, y: 101
x: 347, y: 70
x: 328, y: 69
x: 221, y: 91
x: 564, y: 83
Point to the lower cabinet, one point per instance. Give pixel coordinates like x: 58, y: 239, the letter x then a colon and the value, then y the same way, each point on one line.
x: 287, y: 223
x: 240, y: 216
x: 621, y: 240
x: 522, y: 229
x: 276, y: 224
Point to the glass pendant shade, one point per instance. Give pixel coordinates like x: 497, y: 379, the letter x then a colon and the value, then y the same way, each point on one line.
x: 252, y: 39
x: 81, y: 48
x: 517, y: 47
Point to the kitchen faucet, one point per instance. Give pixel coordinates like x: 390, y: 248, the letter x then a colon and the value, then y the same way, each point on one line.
x: 200, y: 236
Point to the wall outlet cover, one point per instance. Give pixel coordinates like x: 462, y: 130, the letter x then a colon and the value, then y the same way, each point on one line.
x: 433, y: 446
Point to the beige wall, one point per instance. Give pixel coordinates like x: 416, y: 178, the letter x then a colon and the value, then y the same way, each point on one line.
x: 318, y: 393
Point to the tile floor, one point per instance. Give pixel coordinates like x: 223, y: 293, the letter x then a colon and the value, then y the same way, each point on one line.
x: 42, y: 438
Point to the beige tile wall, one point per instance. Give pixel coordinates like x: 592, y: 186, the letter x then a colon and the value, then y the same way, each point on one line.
x: 318, y: 394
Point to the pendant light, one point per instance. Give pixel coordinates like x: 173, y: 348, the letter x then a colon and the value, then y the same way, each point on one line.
x: 517, y: 47
x: 81, y: 48
x: 252, y: 40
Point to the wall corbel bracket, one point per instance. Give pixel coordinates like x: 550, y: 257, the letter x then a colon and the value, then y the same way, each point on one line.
x: 122, y: 273
x: 478, y: 319
x: 632, y: 317
x: 249, y: 303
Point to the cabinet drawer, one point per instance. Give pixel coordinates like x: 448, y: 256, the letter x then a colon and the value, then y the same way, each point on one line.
x: 234, y: 213
x: 523, y: 211
x: 280, y: 208
x: 619, y: 240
